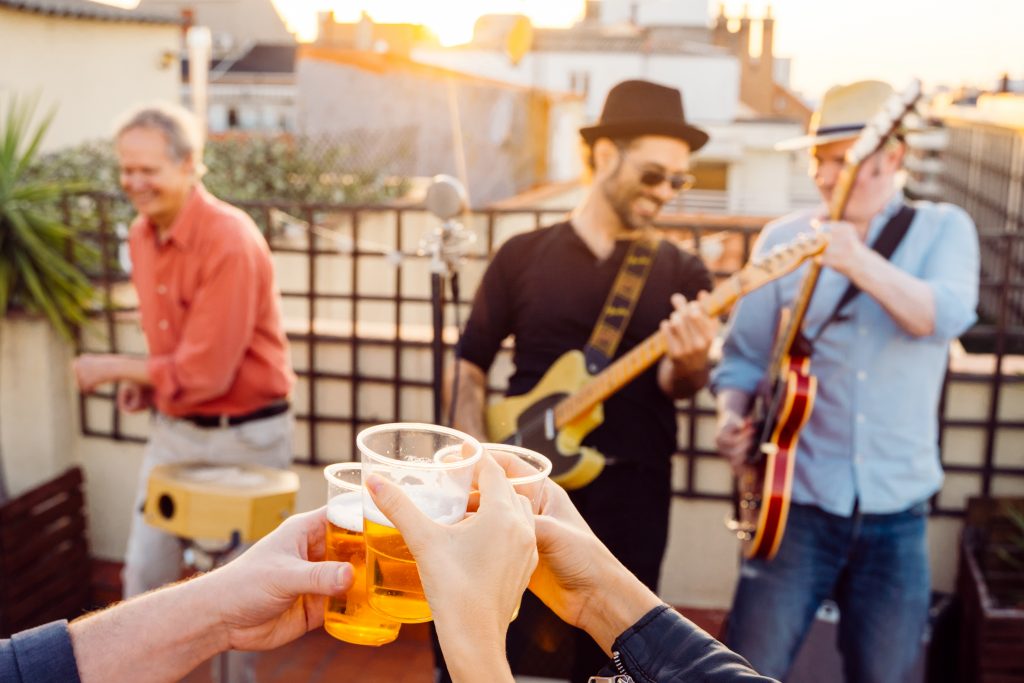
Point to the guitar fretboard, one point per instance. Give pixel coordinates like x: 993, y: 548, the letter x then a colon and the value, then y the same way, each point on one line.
x: 644, y: 354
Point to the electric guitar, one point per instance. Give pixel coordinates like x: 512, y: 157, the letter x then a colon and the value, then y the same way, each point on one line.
x: 566, y: 405
x: 764, y: 486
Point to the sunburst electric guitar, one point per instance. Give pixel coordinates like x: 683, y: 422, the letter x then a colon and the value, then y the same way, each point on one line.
x: 764, y: 486
x: 567, y: 403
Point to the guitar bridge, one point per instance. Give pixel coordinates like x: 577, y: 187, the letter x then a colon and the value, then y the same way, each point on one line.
x: 549, y: 425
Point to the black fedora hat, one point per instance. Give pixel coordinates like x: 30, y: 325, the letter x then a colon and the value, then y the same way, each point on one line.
x: 635, y: 108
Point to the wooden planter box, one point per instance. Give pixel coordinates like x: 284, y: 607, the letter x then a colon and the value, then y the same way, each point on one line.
x: 992, y: 635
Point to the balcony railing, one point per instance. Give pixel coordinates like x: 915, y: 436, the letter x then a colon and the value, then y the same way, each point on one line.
x: 355, y: 294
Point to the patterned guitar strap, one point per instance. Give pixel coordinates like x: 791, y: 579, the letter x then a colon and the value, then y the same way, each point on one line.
x: 621, y: 302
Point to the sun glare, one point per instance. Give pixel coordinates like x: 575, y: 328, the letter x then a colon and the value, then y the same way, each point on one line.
x: 451, y: 20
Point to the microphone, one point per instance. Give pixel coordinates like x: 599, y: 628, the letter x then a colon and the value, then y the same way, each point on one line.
x: 446, y: 198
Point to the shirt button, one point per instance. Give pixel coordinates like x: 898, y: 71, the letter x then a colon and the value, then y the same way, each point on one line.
x: 861, y: 375
x: 858, y: 458
x: 163, y: 325
x: 161, y: 289
x: 863, y: 331
x: 860, y: 418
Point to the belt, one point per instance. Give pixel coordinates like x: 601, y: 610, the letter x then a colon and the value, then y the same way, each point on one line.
x: 210, y: 421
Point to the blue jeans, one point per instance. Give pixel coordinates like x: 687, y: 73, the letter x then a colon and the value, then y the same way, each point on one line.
x: 876, y: 569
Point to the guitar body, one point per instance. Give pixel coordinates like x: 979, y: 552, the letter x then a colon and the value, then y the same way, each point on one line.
x: 765, y: 487
x: 528, y: 420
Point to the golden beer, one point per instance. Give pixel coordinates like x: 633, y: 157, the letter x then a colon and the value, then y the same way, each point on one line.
x: 350, y: 617
x: 393, y: 581
x: 434, y: 466
x: 392, y: 578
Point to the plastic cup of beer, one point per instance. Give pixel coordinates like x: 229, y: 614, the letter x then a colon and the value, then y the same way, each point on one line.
x: 350, y: 617
x: 406, y: 454
x: 527, y: 470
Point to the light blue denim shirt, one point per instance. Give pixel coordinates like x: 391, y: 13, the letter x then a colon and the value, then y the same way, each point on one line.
x: 873, y: 432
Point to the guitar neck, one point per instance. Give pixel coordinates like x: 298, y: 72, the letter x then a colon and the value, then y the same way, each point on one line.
x: 787, y: 336
x: 641, y: 357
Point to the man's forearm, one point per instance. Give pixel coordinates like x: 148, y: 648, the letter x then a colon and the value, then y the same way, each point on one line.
x: 681, y: 382
x: 733, y: 402
x: 470, y: 397
x: 907, y: 300
x: 119, y: 367
x: 157, y: 637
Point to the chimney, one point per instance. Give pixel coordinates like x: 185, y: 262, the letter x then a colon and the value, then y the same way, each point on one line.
x: 743, y: 36
x: 364, y: 33
x: 188, y: 20
x: 720, y: 35
x: 593, y: 12
x: 767, y: 47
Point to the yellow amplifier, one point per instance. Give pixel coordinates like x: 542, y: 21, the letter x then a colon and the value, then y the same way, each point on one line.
x: 202, y: 501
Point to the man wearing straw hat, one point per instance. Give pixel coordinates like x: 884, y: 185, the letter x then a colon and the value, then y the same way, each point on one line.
x: 548, y: 288
x: 867, y: 460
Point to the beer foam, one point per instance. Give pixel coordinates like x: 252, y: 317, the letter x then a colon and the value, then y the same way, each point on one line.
x: 444, y: 507
x: 346, y: 511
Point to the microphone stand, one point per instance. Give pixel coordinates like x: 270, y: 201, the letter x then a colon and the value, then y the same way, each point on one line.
x: 446, y: 246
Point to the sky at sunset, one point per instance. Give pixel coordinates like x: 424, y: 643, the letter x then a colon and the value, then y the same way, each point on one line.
x: 942, y: 41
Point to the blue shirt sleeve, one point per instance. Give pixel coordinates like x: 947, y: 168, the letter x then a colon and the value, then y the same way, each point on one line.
x: 951, y: 271
x: 40, y: 655
x: 749, y: 335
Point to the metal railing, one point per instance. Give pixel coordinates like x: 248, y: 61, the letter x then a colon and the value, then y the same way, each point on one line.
x: 360, y: 334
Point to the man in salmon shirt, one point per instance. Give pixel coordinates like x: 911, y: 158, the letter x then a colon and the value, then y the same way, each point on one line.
x: 218, y: 370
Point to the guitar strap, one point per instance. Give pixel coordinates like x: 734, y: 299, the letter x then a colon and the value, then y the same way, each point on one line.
x: 621, y: 302
x: 885, y: 244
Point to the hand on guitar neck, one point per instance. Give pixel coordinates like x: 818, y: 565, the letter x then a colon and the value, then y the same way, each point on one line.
x: 689, y: 332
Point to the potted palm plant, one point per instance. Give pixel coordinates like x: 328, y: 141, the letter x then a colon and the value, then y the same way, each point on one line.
x: 37, y: 277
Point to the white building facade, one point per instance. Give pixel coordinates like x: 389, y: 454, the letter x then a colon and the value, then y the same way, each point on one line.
x: 669, y: 43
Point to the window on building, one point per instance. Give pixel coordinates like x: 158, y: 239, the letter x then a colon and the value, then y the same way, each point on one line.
x: 711, y: 175
x: 579, y: 82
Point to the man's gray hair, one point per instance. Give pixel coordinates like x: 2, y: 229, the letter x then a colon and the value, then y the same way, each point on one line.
x: 179, y: 126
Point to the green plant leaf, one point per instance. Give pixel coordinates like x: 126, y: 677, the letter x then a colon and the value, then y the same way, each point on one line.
x: 35, y: 271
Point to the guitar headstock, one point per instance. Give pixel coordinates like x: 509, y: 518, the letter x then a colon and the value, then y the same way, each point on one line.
x: 885, y: 123
x: 782, y: 259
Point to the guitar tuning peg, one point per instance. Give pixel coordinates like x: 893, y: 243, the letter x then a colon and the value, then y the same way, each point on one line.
x: 883, y: 120
x: 912, y: 91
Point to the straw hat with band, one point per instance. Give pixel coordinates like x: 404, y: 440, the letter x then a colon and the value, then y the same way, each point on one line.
x: 844, y: 111
x: 635, y: 108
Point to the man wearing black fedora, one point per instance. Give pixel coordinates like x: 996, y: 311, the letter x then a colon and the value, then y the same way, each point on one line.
x: 553, y: 290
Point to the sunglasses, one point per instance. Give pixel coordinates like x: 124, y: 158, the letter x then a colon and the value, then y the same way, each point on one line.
x: 677, y: 181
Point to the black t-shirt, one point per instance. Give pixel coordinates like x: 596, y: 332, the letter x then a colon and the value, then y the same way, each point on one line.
x: 547, y: 289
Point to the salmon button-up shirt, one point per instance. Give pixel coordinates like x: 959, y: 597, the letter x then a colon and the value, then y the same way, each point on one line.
x: 210, y: 312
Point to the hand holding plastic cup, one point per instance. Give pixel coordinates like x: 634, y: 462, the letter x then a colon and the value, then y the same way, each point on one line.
x: 350, y: 617
x: 526, y: 470
x: 435, y: 468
